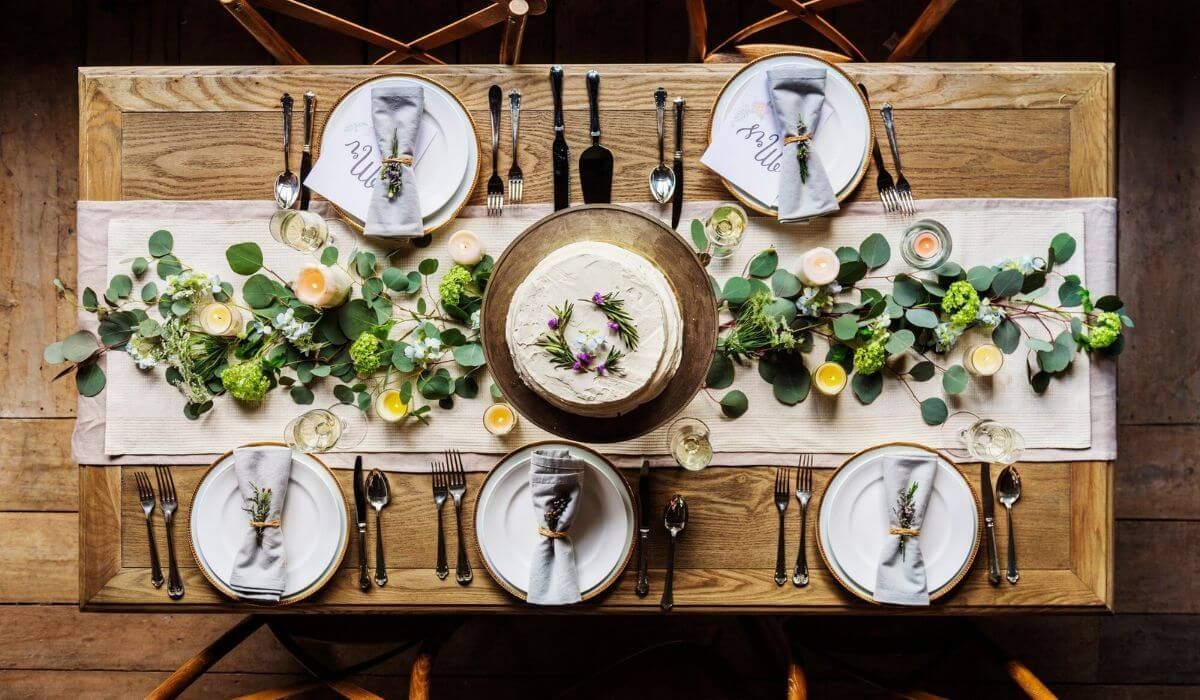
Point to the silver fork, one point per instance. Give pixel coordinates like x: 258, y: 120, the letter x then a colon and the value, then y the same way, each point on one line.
x: 903, y: 190
x: 458, y: 489
x: 495, y: 186
x: 782, y: 496
x: 166, y: 496
x: 146, y: 496
x: 883, y: 182
x: 803, y: 494
x: 440, y: 492
x: 516, y: 179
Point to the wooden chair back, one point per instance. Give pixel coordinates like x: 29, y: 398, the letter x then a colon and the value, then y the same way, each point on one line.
x: 733, y: 50
x: 512, y: 14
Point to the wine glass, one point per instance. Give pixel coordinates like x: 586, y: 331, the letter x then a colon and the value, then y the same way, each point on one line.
x: 322, y: 429
x: 299, y: 229
x: 690, y: 445
x: 989, y: 441
x: 725, y: 227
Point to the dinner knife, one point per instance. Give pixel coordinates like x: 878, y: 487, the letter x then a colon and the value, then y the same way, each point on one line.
x: 677, y: 201
x: 360, y: 510
x: 559, y: 153
x: 310, y: 115
x: 989, y: 521
x: 643, y: 575
x: 596, y: 161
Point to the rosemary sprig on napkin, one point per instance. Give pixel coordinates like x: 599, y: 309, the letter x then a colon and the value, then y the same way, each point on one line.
x: 259, y: 507
x: 391, y: 170
x: 802, y: 152
x: 906, y: 512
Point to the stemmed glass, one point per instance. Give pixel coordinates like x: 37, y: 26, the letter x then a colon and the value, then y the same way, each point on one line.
x: 322, y: 429
x: 987, y: 440
x: 300, y: 229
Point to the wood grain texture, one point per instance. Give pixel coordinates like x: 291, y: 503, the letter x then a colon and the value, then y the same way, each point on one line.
x: 37, y: 557
x: 1157, y: 472
x: 37, y: 472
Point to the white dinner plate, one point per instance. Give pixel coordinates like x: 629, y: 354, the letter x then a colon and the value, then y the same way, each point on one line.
x: 843, y: 132
x: 314, y: 524
x: 853, y: 521
x: 603, y: 531
x: 445, y: 169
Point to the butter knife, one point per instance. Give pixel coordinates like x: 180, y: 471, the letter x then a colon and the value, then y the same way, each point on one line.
x: 360, y: 512
x: 559, y: 153
x: 643, y: 575
x: 989, y: 521
x: 310, y: 115
x: 677, y: 201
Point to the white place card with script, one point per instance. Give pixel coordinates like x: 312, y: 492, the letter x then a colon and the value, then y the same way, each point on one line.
x: 746, y: 147
x: 348, y: 165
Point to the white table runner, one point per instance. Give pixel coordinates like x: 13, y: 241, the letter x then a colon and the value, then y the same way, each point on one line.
x: 1073, y: 419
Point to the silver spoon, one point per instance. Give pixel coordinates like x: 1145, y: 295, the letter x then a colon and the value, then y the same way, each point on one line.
x: 287, y: 185
x: 1008, y: 490
x: 377, y: 495
x: 662, y: 178
x: 675, y: 519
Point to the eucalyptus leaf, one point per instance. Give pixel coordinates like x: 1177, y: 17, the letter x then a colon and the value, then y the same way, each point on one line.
x: 792, y: 380
x: 699, y: 237
x: 497, y: 395
x: 1007, y: 283
x: 466, y: 387
x: 149, y: 292
x: 1110, y: 302
x: 934, y: 411
x: 720, y: 372
x: 452, y: 337
x: 89, y: 379
x: 168, y: 265
x: 875, y: 251
x: 181, y: 307
x: 934, y: 289
x: 1007, y: 336
x: 395, y: 280
x: 764, y: 264
x: 329, y: 256
x: 79, y: 346
x: 301, y: 394
x: 356, y: 317
x: 364, y: 263
x: 469, y: 355
x: 785, y: 284
x: 139, y: 266
x: 981, y: 277
x: 737, y: 290
x: 845, y: 327
x: 89, y: 300
x: 851, y: 272
x: 161, y: 243
x: 329, y: 329
x: 1039, y: 345
x: 949, y: 270
x: 955, y: 380
x: 922, y: 371
x: 343, y: 393
x: 259, y: 292
x: 734, y: 404
x: 1040, y: 381
x: 435, y: 386
x: 1070, y: 293
x: 1062, y: 247
x: 899, y: 341
x: 244, y: 258
x: 121, y: 286
x: 321, y: 370
x: 907, y: 291
x: 428, y: 266
x: 53, y: 354
x: 846, y: 254
x: 867, y: 387
x: 149, y: 328
x: 922, y: 318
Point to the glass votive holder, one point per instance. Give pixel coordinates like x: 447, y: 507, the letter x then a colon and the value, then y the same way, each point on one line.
x: 983, y: 359
x: 926, y: 245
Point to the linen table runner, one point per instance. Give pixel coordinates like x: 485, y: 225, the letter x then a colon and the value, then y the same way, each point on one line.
x: 1073, y: 420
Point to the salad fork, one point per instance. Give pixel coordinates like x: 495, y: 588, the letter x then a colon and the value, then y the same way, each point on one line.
x: 883, y: 181
x: 440, y: 492
x: 495, y: 186
x: 903, y: 190
x: 516, y: 179
x: 146, y: 496
x: 804, y: 489
x: 458, y: 489
x: 783, y: 480
x: 166, y: 496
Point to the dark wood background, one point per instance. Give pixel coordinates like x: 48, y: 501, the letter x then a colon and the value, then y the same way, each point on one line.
x: 1149, y: 649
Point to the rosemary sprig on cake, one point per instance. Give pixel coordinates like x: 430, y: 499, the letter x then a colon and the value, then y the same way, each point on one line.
x: 554, y: 341
x: 619, y: 320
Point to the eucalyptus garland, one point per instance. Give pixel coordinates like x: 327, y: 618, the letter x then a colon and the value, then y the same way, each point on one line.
x: 393, y: 334
x: 901, y: 333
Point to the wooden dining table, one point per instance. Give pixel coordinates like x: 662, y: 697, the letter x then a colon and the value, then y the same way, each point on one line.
x: 1043, y: 130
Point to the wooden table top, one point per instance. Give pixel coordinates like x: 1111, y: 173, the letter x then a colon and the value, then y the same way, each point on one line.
x: 968, y: 130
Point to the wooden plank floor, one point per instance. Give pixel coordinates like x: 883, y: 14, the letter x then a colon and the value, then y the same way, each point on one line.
x: 1146, y: 650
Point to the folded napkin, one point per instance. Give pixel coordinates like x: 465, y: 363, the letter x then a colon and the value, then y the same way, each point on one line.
x: 797, y: 95
x: 908, y: 482
x: 395, y: 209
x: 556, y: 480
x: 259, y: 567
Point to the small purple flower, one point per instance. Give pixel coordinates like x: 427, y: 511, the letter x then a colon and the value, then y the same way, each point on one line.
x: 597, y: 298
x: 614, y: 326
x: 553, y: 324
x: 584, y: 358
x: 578, y: 367
x: 601, y: 368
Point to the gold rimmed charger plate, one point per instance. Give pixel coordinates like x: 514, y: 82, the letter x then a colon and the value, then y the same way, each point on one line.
x: 970, y: 562
x: 353, y: 221
x: 641, y: 234
x: 612, y: 578
x: 866, y: 159
x: 290, y: 600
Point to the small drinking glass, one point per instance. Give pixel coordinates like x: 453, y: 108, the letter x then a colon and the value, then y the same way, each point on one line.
x: 992, y: 442
x: 302, y: 230
x: 690, y: 445
x: 926, y: 245
x: 725, y: 227
x: 321, y: 429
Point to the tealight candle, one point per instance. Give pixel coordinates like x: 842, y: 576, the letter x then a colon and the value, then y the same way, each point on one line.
x: 321, y: 286
x: 819, y: 267
x: 830, y: 378
x: 499, y: 419
x: 983, y: 360
x: 390, y: 406
x: 925, y: 245
x: 220, y: 319
x: 465, y: 248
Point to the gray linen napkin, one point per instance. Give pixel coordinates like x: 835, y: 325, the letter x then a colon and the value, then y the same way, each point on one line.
x: 900, y: 579
x: 396, y: 114
x: 798, y: 94
x: 259, y: 569
x: 556, y: 480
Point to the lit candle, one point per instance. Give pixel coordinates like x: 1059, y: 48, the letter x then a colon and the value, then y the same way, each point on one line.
x: 983, y: 360
x: 819, y: 267
x: 465, y: 248
x: 390, y: 406
x: 499, y: 419
x: 927, y: 244
x: 221, y: 319
x: 830, y: 378
x: 321, y: 286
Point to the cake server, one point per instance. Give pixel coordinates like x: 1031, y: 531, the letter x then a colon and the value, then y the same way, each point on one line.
x: 596, y: 161
x: 677, y: 201
x: 559, y: 153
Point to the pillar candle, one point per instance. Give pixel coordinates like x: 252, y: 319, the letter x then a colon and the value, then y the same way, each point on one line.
x: 465, y: 248
x: 321, y: 286
x: 819, y: 267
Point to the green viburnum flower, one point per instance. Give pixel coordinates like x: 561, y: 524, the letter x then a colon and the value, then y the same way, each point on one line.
x: 365, y: 353
x: 457, y: 286
x: 245, y: 381
x: 869, y: 358
x: 961, y: 303
x: 1103, y: 331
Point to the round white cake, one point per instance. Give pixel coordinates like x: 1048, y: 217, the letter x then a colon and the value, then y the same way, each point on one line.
x: 608, y: 357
